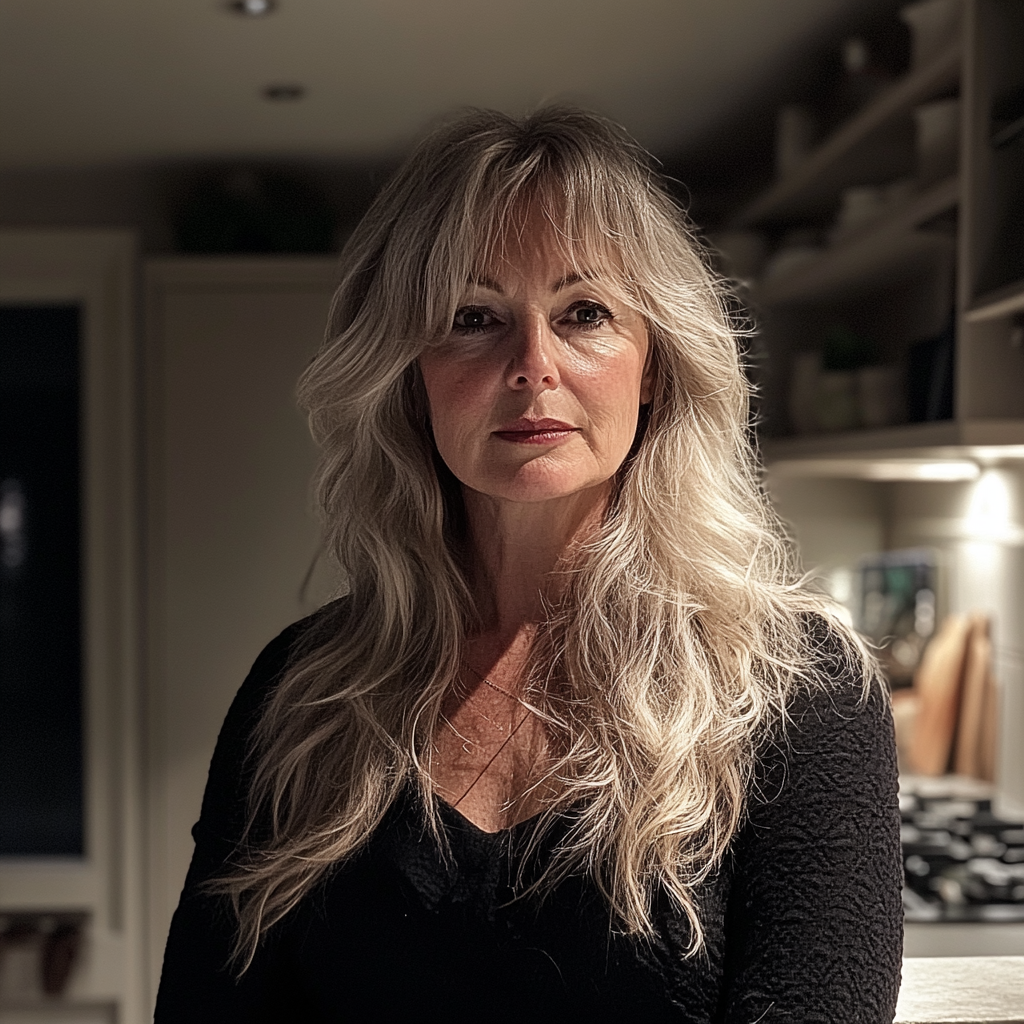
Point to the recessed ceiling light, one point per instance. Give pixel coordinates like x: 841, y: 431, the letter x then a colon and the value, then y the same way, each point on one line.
x: 284, y: 92
x: 252, y: 8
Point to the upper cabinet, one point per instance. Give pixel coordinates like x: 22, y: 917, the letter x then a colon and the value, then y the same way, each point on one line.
x: 993, y: 154
x: 991, y: 251
x: 891, y: 308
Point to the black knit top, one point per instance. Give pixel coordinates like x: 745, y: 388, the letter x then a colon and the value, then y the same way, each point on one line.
x: 803, y: 921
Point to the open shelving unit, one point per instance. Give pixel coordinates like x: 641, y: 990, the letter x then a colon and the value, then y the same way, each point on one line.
x: 952, y: 250
x: 871, y: 147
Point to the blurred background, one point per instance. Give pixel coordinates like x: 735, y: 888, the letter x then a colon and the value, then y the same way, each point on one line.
x: 175, y: 182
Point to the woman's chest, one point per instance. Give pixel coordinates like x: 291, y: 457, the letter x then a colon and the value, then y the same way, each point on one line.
x: 490, y: 754
x: 403, y: 932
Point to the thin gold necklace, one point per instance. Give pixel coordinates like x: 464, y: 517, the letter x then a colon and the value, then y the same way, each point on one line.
x: 494, y: 757
x: 495, y: 686
x: 508, y: 738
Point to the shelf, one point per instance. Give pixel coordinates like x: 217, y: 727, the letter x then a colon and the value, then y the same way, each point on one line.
x: 835, y: 165
x: 47, y: 1010
x: 878, y: 252
x: 999, y: 303
x: 947, y: 439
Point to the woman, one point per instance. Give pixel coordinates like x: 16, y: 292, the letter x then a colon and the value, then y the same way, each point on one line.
x: 577, y: 744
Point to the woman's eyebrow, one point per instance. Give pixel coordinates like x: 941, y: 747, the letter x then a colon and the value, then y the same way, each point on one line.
x: 571, y: 279
x: 486, y: 282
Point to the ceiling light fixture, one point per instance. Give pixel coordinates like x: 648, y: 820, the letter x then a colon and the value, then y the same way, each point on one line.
x: 252, y: 8
x: 284, y: 92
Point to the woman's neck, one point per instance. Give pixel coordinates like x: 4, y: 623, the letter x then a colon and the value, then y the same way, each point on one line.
x: 516, y: 549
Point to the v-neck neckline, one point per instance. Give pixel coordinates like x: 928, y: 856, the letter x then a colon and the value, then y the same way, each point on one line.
x: 455, y: 817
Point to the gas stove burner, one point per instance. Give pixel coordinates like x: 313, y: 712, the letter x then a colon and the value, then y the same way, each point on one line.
x: 961, y: 862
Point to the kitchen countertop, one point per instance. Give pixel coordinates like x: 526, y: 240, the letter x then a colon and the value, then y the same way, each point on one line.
x: 964, y: 938
x: 962, y: 990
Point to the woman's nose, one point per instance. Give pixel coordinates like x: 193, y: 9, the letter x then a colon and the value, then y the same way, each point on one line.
x: 533, y: 363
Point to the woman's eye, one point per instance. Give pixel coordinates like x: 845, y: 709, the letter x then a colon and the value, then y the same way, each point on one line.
x: 588, y: 314
x: 473, y: 318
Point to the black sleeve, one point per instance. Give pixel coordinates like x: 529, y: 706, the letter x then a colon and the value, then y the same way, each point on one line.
x: 814, y: 930
x: 196, y: 985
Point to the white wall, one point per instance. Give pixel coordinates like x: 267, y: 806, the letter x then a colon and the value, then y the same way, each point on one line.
x: 835, y: 523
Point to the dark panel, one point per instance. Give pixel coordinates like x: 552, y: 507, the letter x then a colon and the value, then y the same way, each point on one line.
x: 41, y: 756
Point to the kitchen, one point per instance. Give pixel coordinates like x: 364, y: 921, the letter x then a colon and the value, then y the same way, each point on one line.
x: 875, y: 237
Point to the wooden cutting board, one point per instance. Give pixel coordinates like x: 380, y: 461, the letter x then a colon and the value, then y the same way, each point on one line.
x: 938, y: 683
x: 976, y: 680
x: 988, y: 745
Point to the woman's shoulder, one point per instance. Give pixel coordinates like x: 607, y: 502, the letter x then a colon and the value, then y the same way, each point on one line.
x: 227, y: 783
x: 837, y: 725
x: 815, y: 911
x: 838, y: 675
x: 280, y: 654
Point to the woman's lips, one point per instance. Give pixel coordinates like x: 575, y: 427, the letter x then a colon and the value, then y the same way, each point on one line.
x: 545, y: 431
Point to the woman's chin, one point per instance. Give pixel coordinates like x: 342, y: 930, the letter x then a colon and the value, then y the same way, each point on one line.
x: 532, y: 484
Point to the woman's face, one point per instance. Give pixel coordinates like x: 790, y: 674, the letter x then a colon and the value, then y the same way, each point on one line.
x: 534, y: 394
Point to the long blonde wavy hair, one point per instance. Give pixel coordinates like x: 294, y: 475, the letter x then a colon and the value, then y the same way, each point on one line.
x: 682, y: 627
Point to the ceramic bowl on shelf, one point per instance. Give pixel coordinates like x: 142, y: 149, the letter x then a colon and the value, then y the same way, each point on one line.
x: 860, y: 206
x: 792, y: 255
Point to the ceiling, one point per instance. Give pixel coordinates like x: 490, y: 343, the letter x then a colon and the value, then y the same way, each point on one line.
x: 101, y: 81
